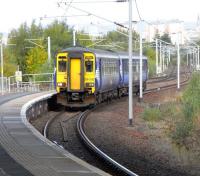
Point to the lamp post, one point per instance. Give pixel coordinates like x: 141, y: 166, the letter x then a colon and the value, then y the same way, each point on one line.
x: 130, y: 66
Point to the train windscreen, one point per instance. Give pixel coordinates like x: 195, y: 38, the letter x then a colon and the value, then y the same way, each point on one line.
x: 62, y: 66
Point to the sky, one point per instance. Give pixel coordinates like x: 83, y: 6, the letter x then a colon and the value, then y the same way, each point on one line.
x: 13, y: 13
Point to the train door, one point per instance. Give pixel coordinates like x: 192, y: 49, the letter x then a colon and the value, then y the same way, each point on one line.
x: 75, y: 74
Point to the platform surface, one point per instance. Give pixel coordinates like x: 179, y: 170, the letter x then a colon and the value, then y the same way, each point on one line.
x: 25, y: 153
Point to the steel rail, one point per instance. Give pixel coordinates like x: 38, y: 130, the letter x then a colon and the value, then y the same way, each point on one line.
x: 48, y: 123
x: 184, y: 82
x: 95, y: 149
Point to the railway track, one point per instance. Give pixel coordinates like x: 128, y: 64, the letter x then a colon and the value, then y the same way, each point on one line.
x: 169, y: 77
x: 169, y: 86
x: 62, y: 118
x: 96, y: 150
x: 67, y: 122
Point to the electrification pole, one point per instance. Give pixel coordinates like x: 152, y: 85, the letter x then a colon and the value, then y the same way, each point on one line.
x: 130, y: 66
x: 163, y: 59
x: 160, y: 57
x: 141, y: 62
x: 49, y: 49
x: 198, y: 58
x: 156, y: 56
x: 74, y: 37
x: 2, y: 86
x: 178, y: 64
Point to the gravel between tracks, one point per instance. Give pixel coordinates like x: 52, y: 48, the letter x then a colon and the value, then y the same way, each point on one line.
x: 138, y: 148
x: 73, y: 143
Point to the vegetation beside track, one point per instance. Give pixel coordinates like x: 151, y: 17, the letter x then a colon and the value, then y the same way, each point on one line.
x: 181, y: 117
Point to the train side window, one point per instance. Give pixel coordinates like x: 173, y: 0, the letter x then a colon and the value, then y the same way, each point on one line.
x: 89, y: 66
x: 144, y: 65
x: 62, y: 66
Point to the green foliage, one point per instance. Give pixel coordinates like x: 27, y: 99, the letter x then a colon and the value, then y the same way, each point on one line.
x: 9, y: 66
x: 119, y: 40
x: 35, y: 59
x: 151, y: 55
x: 165, y: 37
x: 169, y: 110
x: 191, y: 96
x: 31, y: 59
x: 46, y: 67
x: 83, y: 39
x: 61, y: 36
x: 190, y: 108
x: 157, y: 35
x: 21, y: 54
x: 183, y: 129
x: 9, y: 69
x: 152, y: 114
x: 17, y: 37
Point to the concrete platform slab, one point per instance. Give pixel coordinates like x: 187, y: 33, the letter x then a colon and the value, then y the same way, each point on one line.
x: 34, y: 154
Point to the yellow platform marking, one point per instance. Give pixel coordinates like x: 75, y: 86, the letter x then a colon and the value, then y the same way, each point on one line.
x: 75, y: 77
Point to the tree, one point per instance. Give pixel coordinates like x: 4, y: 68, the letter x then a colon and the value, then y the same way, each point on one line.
x: 35, y: 59
x: 83, y: 39
x: 157, y: 35
x: 151, y: 55
x: 165, y: 37
x: 61, y: 36
x: 9, y: 66
x: 18, y: 37
x: 119, y: 40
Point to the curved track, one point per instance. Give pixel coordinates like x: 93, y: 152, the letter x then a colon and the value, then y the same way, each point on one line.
x: 96, y: 150
x: 80, y: 128
x: 165, y: 87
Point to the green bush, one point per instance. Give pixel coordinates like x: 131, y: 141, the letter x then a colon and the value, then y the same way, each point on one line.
x: 191, y: 96
x: 152, y: 114
x: 188, y: 111
x: 151, y: 68
x: 169, y: 110
x: 190, y: 108
x: 183, y: 129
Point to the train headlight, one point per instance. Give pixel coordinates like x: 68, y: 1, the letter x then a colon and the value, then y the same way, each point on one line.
x: 61, y: 84
x: 89, y: 84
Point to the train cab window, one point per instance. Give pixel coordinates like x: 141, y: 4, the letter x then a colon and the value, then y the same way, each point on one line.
x: 89, y: 66
x: 62, y: 66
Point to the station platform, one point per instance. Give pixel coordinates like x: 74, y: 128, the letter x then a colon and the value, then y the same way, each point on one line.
x: 25, y: 152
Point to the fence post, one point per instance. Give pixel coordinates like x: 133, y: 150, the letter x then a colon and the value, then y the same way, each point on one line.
x: 9, y: 84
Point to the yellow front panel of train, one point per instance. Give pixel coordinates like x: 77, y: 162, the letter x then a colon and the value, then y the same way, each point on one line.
x: 61, y: 76
x: 75, y: 77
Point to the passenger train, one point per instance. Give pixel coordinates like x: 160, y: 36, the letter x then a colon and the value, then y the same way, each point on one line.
x: 86, y: 76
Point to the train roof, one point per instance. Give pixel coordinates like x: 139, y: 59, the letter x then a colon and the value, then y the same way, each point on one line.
x: 102, y: 53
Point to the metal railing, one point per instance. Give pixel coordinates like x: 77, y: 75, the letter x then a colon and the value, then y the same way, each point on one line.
x: 29, y: 83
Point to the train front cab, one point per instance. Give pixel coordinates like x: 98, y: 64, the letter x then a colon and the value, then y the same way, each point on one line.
x: 61, y: 72
x: 81, y: 78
